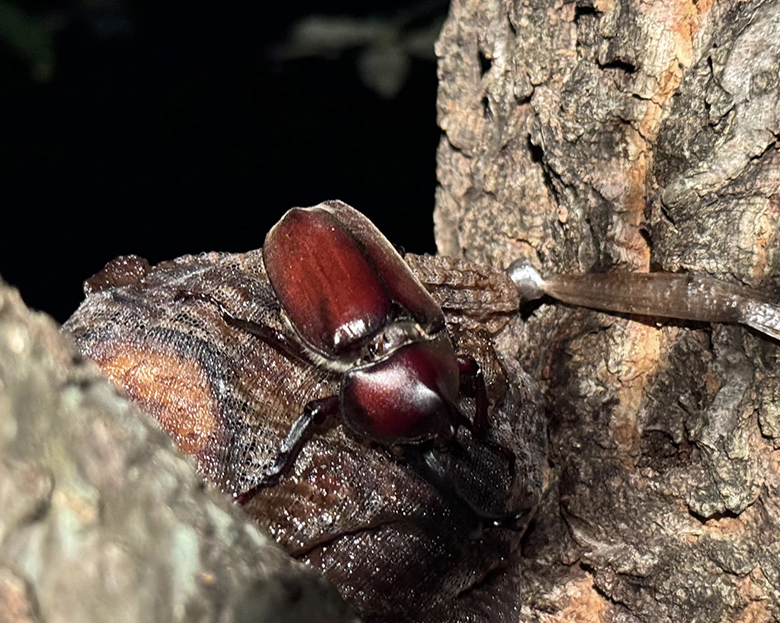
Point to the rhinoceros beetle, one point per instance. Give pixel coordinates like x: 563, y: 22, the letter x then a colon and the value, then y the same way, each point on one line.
x: 354, y: 307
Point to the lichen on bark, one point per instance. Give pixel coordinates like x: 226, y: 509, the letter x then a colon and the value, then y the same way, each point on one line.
x: 102, y: 519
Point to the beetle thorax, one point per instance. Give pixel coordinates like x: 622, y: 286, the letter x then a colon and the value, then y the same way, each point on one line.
x: 392, y: 337
x: 381, y: 345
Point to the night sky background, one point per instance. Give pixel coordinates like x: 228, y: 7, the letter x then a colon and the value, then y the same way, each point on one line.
x: 160, y: 130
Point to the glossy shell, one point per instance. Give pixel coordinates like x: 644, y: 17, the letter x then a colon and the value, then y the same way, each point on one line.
x: 340, y: 281
x: 404, y: 397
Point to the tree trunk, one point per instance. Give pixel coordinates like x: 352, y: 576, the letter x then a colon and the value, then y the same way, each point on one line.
x: 630, y: 136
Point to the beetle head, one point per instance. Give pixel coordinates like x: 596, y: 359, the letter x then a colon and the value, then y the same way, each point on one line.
x: 406, y: 397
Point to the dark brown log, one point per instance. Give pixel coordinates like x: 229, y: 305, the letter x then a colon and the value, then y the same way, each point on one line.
x: 403, y: 540
x: 633, y: 136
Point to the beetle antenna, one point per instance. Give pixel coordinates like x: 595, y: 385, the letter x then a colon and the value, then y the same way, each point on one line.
x: 458, y: 419
x: 471, y: 373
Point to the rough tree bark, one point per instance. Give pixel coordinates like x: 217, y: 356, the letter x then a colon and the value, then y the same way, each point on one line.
x: 631, y: 135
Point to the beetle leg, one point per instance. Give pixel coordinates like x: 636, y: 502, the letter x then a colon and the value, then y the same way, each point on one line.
x: 272, y: 337
x: 471, y: 372
x: 314, y: 416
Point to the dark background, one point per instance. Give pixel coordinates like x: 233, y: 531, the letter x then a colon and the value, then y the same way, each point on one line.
x: 162, y: 130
